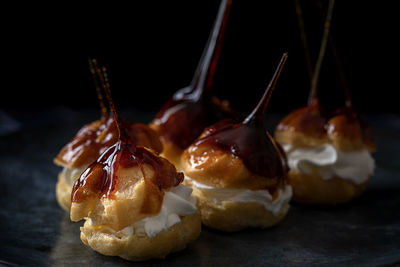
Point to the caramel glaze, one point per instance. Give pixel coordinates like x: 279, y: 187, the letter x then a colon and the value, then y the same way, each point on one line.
x: 310, y: 120
x: 344, y: 122
x: 182, y: 119
x: 250, y: 141
x: 260, y: 153
x: 348, y: 124
x: 101, y: 177
x: 93, y: 139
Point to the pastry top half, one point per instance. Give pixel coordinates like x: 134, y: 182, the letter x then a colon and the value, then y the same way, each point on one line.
x: 236, y: 155
x: 126, y: 184
x: 183, y: 118
x: 310, y: 127
x: 94, y: 138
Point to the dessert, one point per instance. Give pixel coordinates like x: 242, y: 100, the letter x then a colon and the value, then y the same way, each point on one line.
x: 238, y: 172
x: 329, y: 153
x: 183, y: 117
x: 133, y: 203
x: 91, y: 141
x: 331, y: 166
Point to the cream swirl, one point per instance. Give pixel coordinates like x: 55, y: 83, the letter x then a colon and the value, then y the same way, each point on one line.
x: 263, y: 197
x: 176, y: 202
x: 328, y: 162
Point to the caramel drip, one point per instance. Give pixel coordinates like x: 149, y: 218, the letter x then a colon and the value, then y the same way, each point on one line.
x: 249, y: 139
x: 347, y: 123
x: 310, y: 120
x: 204, y: 75
x: 183, y: 117
x: 101, y: 177
x: 98, y: 90
x: 93, y: 139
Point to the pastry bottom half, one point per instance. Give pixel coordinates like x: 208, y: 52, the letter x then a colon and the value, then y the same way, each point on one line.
x: 312, y: 189
x: 63, y: 192
x: 232, y: 216
x: 138, y: 248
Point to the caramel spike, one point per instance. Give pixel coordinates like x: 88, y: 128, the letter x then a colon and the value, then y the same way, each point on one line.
x: 204, y: 75
x: 303, y: 37
x: 104, y: 82
x: 314, y: 82
x: 97, y: 86
x: 259, y: 111
x: 337, y: 61
x: 105, y: 75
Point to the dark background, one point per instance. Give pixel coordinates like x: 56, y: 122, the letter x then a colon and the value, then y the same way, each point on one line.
x: 151, y: 49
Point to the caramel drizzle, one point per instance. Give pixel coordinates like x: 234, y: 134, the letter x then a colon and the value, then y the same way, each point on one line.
x: 122, y: 153
x: 303, y: 38
x: 262, y: 155
x: 101, y: 73
x: 318, y: 65
x: 204, y: 75
x: 332, y: 45
x: 339, y: 66
x: 183, y: 117
x: 103, y: 108
x: 348, y: 110
x: 259, y: 112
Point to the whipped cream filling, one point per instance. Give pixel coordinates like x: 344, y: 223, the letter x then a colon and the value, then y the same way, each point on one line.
x: 176, y: 202
x: 72, y: 174
x: 263, y: 197
x: 328, y: 162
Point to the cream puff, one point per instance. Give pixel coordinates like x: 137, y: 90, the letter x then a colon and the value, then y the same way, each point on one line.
x: 329, y: 155
x: 183, y: 117
x: 238, y: 172
x: 134, y: 204
x: 330, y: 161
x: 89, y: 143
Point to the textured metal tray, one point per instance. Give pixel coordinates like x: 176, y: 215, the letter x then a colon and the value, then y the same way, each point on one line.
x: 35, y: 231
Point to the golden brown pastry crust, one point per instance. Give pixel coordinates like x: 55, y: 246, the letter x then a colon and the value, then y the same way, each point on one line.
x: 312, y: 189
x: 303, y: 127
x: 235, y: 216
x: 347, y: 137
x: 299, y: 139
x: 215, y: 167
x: 339, y: 141
x: 63, y: 192
x: 85, y: 157
x: 172, y: 153
x: 344, y: 130
x: 134, y: 200
x: 100, y: 135
x: 212, y: 166
x: 139, y: 248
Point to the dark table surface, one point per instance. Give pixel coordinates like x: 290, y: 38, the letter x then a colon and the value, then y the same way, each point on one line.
x: 34, y: 231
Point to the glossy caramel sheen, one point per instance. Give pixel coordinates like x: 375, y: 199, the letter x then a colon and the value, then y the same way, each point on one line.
x: 309, y: 120
x: 182, y: 119
x: 347, y: 124
x: 94, y: 138
x: 251, y: 143
x: 343, y: 127
x: 101, y: 177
